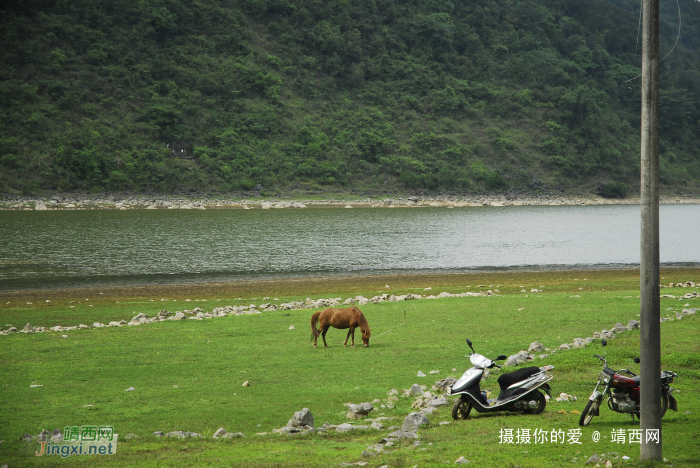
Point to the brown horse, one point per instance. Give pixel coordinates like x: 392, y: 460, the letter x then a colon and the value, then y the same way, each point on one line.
x: 340, y: 318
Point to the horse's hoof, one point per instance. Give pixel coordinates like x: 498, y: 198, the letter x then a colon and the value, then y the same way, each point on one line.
x: 352, y: 346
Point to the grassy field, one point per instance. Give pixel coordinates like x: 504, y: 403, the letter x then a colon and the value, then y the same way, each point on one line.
x: 187, y: 375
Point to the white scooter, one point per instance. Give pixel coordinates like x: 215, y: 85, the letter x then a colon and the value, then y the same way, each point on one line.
x: 520, y: 390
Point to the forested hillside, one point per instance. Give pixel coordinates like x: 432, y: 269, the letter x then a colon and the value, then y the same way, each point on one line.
x: 366, y: 95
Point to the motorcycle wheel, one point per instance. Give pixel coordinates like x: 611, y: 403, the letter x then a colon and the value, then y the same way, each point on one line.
x: 461, y: 409
x: 588, y: 411
x: 541, y: 404
x: 664, y: 402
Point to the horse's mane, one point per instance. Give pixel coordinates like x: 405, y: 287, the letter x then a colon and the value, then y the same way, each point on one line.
x: 364, y: 326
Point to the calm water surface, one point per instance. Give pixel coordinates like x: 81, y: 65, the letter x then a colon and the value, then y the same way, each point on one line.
x: 83, y: 248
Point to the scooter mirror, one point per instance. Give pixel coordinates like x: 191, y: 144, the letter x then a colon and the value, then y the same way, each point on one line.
x: 604, y: 342
x: 469, y: 343
x: 637, y: 360
x: 501, y: 357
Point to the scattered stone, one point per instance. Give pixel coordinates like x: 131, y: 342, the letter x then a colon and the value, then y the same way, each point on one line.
x: 44, y: 436
x: 633, y: 325
x: 593, y: 459
x: 437, y: 401
x: 414, y: 421
x: 159, y: 433
x: 359, y: 411
x: 219, y: 433
x: 377, y: 426
x: 517, y: 359
x: 535, y: 347
x: 420, y: 374
x: 246, y: 384
x: 27, y: 437
x: 402, y: 435
x: 291, y: 327
x: 365, y: 453
x: 56, y: 436
x: 233, y: 435
x: 461, y: 461
x: 302, y: 418
x: 345, y: 427
x: 687, y: 412
x: 130, y: 389
x: 445, y: 384
x: 432, y: 372
x: 415, y: 390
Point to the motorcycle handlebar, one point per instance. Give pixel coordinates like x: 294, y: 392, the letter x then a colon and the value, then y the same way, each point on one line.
x: 599, y: 357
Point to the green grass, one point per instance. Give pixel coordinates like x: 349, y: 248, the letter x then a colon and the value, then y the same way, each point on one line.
x: 208, y: 361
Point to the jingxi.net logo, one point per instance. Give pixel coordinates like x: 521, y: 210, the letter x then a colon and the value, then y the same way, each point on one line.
x: 82, y: 440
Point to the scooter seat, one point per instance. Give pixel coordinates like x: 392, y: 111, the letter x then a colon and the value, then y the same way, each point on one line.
x: 506, y: 380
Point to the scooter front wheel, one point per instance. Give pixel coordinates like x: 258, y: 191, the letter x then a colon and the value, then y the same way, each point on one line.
x: 461, y: 409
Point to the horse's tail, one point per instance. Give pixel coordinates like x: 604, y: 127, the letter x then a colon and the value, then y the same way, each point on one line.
x: 314, y: 323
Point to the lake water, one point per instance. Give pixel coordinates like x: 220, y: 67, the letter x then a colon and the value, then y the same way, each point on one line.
x: 91, y: 248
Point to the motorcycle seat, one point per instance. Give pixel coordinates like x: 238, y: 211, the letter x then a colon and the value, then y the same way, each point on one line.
x: 506, y: 380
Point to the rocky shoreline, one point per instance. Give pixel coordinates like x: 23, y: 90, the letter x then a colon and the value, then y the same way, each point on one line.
x: 155, y: 202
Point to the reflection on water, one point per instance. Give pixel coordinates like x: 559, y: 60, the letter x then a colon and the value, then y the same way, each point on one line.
x: 78, y: 248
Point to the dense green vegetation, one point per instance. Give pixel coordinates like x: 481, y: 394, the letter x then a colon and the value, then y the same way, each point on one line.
x: 187, y: 375
x: 371, y: 95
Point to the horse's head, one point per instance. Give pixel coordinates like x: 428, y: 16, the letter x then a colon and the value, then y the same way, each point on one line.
x: 366, y: 333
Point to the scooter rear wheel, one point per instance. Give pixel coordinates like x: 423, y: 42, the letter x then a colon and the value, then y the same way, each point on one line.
x: 541, y: 404
x: 461, y: 409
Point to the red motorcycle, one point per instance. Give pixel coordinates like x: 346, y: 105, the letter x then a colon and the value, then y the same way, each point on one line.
x: 623, y: 392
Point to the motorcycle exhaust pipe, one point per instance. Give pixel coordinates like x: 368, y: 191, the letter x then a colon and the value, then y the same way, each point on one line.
x: 532, y: 404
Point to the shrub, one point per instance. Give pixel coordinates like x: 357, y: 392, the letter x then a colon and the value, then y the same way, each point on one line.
x: 612, y: 190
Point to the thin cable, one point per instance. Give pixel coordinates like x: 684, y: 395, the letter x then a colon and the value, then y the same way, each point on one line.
x: 639, y: 27
x: 669, y: 52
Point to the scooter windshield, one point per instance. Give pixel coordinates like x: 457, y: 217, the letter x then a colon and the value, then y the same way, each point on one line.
x: 480, y: 361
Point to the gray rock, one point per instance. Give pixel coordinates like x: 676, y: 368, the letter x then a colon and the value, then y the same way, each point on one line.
x: 344, y: 428
x: 365, y: 453
x: 233, y: 435
x: 401, y: 435
x: 159, y: 433
x: 439, y: 401
x: 361, y: 408
x: 417, y: 443
x: 219, y: 433
x: 445, y: 384
x: 462, y: 460
x: 130, y: 389
x: 130, y: 436
x: 44, y: 436
x: 56, y: 436
x: 377, y: 425
x: 177, y: 434
x: 27, y: 437
x: 564, y: 346
x: 593, y: 460
x: 40, y: 206
x: 420, y: 374
x: 633, y: 325
x: 302, y: 418
x: 27, y: 329
x: 535, y: 347
x: 517, y: 359
x: 415, y: 390
x: 414, y: 421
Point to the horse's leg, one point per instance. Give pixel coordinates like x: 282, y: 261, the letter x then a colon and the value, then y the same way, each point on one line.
x: 325, y: 330
x: 353, y: 336
x: 347, y: 338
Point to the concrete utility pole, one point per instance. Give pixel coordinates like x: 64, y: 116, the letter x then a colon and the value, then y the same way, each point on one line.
x: 650, y: 352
